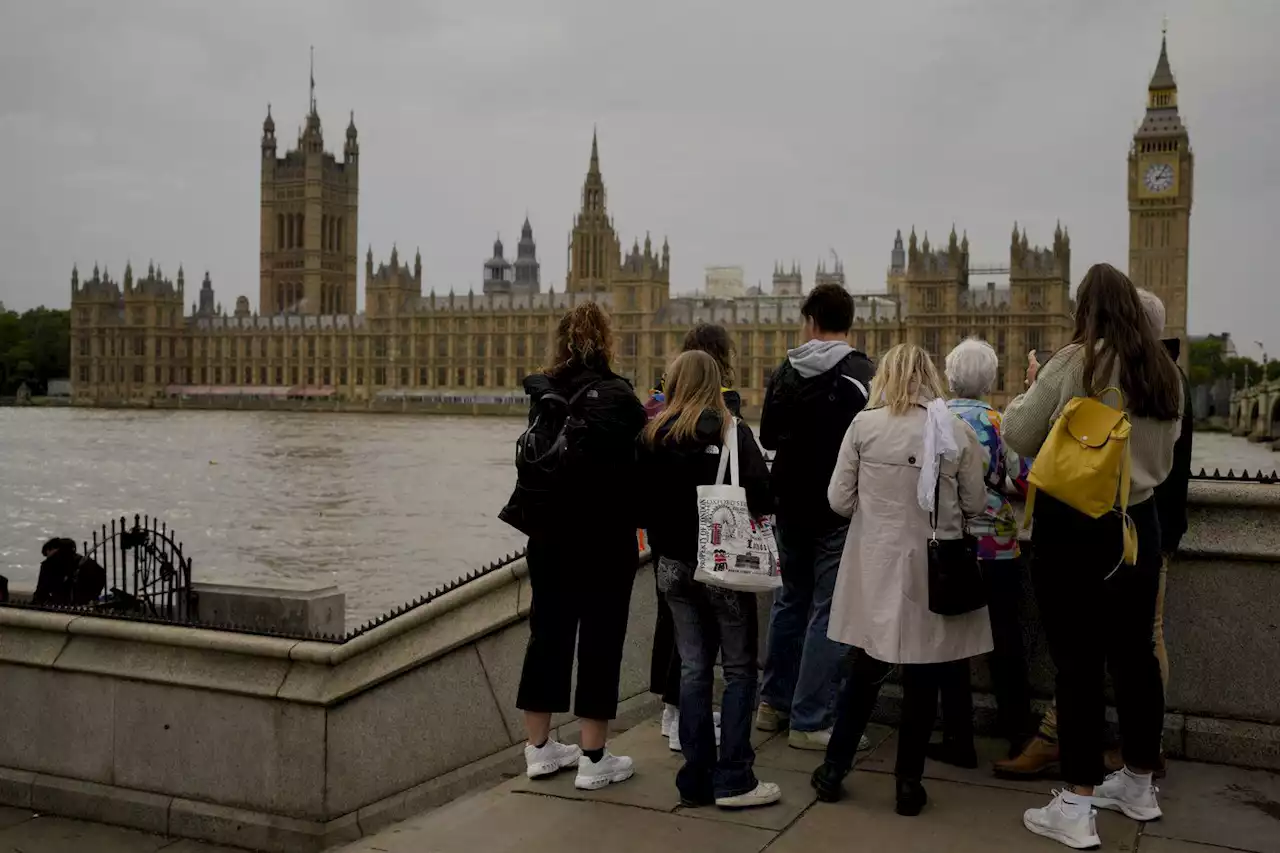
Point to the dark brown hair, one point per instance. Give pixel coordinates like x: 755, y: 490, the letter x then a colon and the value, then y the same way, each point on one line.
x: 584, y: 337
x: 1112, y: 328
x: 714, y: 340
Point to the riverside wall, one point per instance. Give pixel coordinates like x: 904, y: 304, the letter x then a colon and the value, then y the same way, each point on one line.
x: 292, y: 745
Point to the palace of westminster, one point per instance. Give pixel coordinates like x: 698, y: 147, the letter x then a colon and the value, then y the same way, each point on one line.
x: 132, y: 341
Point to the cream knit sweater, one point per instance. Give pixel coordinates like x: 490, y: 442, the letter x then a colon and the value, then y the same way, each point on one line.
x: 1029, y: 416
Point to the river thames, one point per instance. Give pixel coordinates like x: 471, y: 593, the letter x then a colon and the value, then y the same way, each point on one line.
x: 385, y: 507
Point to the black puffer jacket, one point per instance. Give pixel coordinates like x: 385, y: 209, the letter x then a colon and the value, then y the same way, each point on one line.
x: 599, y: 494
x: 671, y: 472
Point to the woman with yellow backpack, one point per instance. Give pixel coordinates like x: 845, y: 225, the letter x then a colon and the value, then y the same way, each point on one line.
x: 1100, y: 418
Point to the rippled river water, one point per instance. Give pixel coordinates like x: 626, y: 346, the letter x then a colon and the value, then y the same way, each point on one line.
x: 385, y: 507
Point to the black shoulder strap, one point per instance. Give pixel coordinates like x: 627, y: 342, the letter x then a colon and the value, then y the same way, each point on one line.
x: 584, y: 389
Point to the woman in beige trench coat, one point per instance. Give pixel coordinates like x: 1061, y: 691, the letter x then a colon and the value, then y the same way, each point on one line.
x: 897, y: 451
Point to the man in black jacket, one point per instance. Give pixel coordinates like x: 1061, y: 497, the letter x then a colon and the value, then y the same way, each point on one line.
x: 811, y: 400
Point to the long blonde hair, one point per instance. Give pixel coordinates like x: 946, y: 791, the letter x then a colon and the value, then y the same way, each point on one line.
x: 693, y: 386
x: 904, y: 373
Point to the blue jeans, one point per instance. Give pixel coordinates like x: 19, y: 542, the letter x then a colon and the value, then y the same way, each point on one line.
x: 700, y: 614
x: 802, y: 669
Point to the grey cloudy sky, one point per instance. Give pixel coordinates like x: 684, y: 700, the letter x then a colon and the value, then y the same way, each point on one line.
x: 744, y: 131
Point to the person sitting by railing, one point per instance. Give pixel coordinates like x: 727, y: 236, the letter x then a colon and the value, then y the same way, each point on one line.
x: 66, y: 578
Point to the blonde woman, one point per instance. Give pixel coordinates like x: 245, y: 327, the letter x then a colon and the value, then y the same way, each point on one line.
x: 901, y: 454
x: 679, y: 451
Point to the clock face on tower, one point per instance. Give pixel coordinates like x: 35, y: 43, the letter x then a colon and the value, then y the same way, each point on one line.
x: 1158, y: 177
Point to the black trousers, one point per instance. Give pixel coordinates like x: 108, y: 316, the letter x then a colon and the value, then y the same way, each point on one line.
x: 1003, y: 580
x: 921, y: 684
x: 1097, y: 614
x: 582, y: 592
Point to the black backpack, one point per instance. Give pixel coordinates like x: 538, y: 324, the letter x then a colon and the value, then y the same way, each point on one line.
x: 547, y: 452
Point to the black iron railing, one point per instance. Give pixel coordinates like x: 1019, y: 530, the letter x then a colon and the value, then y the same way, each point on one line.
x: 146, y: 571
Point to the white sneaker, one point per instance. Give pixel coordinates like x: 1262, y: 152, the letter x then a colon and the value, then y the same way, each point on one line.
x: 764, y: 794
x: 1126, y: 792
x: 816, y: 741
x: 597, y: 774
x: 1072, y: 824
x: 550, y: 758
x: 673, y: 734
x: 670, y: 719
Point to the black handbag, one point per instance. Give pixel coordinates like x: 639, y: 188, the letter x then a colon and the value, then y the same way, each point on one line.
x: 955, y: 576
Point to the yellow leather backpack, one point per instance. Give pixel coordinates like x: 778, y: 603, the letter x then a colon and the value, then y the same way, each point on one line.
x: 1085, y: 463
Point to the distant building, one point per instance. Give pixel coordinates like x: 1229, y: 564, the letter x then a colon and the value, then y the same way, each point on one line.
x: 725, y: 282
x: 131, y: 341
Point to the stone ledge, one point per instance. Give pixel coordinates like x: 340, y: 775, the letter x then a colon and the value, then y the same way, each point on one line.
x: 15, y: 787
x: 1233, y: 742
x: 101, y: 803
x: 244, y: 828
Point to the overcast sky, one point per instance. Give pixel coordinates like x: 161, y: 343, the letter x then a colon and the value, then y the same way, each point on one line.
x: 744, y: 131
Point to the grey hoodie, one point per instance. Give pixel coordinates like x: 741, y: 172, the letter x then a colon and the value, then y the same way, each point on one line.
x: 816, y: 357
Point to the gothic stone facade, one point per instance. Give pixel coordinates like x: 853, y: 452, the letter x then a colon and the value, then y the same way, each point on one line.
x: 132, y: 343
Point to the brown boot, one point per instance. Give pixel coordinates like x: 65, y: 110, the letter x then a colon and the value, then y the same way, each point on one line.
x: 1039, y: 758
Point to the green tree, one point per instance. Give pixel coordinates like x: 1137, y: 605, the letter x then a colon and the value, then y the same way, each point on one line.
x: 35, y: 346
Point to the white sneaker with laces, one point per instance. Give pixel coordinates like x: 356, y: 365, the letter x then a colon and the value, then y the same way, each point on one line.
x: 670, y: 719
x: 1129, y: 793
x: 611, y: 768
x: 1071, y: 823
x: 550, y: 758
x: 764, y: 794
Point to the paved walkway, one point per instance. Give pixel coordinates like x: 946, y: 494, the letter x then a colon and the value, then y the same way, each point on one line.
x: 1208, y: 809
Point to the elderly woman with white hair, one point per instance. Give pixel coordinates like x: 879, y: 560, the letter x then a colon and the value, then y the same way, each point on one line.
x: 971, y: 370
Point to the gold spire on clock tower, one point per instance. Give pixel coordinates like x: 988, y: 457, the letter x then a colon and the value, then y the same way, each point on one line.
x: 1161, y: 167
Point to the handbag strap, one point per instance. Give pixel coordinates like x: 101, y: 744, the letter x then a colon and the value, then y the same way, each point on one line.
x: 729, y: 456
x: 937, y: 493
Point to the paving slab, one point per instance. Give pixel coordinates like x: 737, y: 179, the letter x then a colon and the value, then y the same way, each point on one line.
x: 522, y: 823
x: 1169, y: 845
x: 59, y: 835
x: 13, y: 817
x: 777, y: 754
x: 797, y: 795
x: 1225, y: 806
x: 958, y: 819
x: 883, y: 758
x: 652, y: 787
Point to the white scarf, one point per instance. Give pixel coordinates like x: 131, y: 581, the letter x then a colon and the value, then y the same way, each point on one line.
x: 939, y: 441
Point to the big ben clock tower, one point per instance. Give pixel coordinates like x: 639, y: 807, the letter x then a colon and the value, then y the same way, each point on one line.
x: 1160, y: 180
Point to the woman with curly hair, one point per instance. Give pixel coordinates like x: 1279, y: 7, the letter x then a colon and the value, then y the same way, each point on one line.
x: 583, y: 554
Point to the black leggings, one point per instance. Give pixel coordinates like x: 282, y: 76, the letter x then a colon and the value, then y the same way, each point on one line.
x: 582, y: 591
x: 921, y: 683
x: 1097, y: 614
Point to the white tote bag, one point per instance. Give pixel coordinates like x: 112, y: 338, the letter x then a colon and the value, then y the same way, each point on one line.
x: 735, y: 550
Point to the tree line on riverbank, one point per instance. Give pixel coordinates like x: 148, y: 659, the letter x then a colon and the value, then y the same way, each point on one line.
x: 35, y: 346
x: 1209, y: 364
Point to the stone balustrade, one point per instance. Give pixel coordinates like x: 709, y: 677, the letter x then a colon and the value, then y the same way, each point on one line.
x: 281, y: 745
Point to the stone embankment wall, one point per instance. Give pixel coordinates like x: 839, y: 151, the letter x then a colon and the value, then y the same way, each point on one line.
x: 283, y: 745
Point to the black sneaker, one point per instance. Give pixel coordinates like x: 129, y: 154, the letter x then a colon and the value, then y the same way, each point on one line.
x: 957, y: 754
x: 911, y: 798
